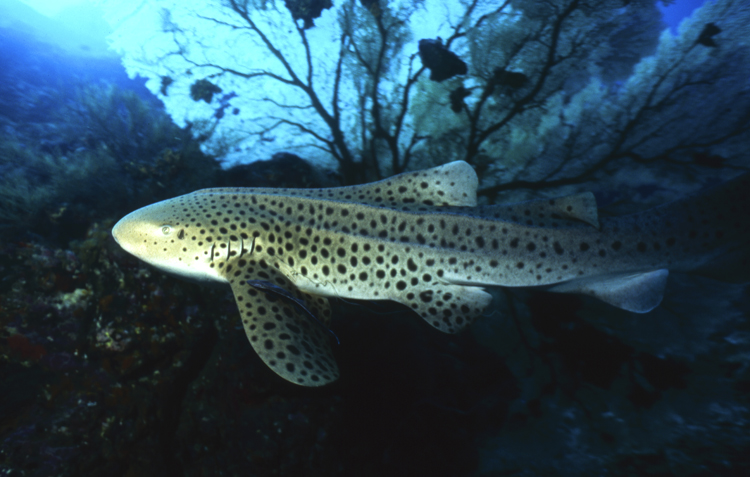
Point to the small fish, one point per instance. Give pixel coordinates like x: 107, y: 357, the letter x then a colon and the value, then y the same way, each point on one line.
x: 457, y: 97
x: 441, y: 62
x: 276, y: 290
x: 420, y: 239
x: 706, y: 38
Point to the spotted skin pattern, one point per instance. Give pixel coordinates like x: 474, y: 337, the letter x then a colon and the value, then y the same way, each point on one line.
x: 419, y: 239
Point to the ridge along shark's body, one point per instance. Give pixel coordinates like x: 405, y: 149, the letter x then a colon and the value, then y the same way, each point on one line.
x: 419, y: 239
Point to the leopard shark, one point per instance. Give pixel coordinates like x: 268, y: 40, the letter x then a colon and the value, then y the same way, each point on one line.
x: 420, y: 239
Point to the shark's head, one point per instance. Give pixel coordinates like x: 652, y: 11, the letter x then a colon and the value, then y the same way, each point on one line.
x: 164, y: 236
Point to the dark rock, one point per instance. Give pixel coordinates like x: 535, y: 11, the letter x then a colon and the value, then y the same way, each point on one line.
x: 282, y: 170
x: 713, y: 161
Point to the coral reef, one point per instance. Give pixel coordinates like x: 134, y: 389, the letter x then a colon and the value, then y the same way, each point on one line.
x: 277, y: 171
x: 102, y: 151
x: 119, y: 369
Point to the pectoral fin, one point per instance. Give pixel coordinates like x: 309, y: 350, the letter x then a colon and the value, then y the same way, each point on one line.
x: 636, y: 292
x: 282, y: 334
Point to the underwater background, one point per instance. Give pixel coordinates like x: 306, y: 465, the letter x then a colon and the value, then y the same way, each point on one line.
x: 110, y: 367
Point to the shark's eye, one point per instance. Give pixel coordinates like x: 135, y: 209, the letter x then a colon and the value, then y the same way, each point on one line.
x: 166, y: 229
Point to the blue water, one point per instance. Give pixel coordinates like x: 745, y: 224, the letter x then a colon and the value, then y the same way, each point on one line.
x: 109, y: 367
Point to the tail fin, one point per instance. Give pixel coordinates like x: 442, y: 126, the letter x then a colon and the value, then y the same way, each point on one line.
x: 712, y: 230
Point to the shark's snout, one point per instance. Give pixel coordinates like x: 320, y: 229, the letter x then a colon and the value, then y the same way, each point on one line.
x: 123, y: 231
x: 117, y: 232
x: 157, y: 236
x: 129, y: 232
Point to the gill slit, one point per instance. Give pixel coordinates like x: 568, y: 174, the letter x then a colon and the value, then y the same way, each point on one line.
x: 243, y: 250
x: 213, y: 245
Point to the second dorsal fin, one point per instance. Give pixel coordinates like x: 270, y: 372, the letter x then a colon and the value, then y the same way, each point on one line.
x: 579, y: 207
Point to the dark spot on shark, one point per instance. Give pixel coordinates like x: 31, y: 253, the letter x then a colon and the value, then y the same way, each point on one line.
x: 558, y: 248
x: 293, y: 349
x: 426, y: 296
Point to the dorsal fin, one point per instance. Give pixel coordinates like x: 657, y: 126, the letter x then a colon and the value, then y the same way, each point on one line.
x: 580, y: 207
x: 452, y: 184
